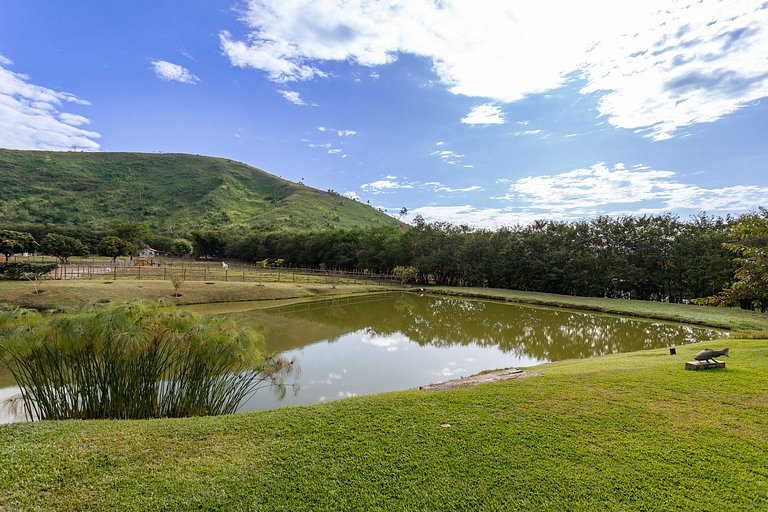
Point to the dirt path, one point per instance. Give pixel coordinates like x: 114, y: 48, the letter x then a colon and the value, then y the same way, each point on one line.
x: 511, y: 373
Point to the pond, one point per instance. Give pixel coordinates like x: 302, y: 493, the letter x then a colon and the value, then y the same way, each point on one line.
x: 363, y: 345
x: 359, y: 346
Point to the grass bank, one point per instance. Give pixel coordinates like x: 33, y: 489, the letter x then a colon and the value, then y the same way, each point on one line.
x: 623, y: 432
x: 724, y: 318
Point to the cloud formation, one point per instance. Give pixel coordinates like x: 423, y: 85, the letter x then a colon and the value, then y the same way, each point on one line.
x: 171, y: 72
x: 658, y: 66
x: 601, y: 189
x: 292, y: 96
x: 484, y: 114
x: 597, y: 190
x: 392, y: 183
x: 385, y: 185
x: 30, y: 116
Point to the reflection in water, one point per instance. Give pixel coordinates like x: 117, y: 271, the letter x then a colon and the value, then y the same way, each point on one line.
x: 400, y: 341
x: 542, y: 334
x: 357, y: 346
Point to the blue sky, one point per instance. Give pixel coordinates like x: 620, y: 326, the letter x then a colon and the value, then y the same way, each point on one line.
x: 481, y: 112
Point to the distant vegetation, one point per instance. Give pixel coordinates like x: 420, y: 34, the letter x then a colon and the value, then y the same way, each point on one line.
x: 707, y: 259
x: 172, y: 194
x: 662, y: 258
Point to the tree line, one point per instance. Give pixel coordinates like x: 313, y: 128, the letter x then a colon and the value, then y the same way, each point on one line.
x: 650, y: 257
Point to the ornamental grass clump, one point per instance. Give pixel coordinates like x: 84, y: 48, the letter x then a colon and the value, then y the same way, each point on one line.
x: 139, y: 360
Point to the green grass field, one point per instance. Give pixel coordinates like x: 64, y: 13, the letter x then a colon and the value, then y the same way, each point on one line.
x: 621, y: 432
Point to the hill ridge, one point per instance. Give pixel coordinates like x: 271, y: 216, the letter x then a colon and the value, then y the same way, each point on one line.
x: 170, y: 192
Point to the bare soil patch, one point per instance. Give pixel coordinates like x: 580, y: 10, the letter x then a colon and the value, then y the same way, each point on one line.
x: 474, y: 380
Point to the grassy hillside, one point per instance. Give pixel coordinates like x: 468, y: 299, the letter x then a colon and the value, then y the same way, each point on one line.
x: 167, y: 191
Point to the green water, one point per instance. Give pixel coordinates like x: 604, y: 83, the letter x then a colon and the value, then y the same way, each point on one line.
x: 357, y: 346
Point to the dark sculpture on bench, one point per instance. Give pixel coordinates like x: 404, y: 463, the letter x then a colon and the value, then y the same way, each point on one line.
x: 708, y: 354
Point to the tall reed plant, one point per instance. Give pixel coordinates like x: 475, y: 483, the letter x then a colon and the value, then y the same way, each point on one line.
x: 139, y: 360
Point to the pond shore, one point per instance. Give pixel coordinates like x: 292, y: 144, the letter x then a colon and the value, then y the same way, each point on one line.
x: 617, y: 432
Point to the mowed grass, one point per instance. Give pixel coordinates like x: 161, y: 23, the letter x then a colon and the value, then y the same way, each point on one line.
x: 624, y: 432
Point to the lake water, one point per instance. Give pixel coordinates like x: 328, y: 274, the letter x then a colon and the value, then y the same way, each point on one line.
x: 358, y: 346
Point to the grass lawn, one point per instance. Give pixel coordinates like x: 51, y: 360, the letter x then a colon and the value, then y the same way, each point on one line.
x: 621, y: 432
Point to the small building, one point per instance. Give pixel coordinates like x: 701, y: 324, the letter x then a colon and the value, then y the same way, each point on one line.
x: 149, y: 252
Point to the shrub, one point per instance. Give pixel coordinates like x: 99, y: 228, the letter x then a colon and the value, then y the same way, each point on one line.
x: 138, y: 360
x: 16, y: 270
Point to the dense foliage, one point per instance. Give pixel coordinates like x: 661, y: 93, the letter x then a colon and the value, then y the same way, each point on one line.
x: 138, y: 360
x: 649, y: 257
x: 748, y: 240
x: 17, y: 270
x: 12, y: 242
x: 62, y: 247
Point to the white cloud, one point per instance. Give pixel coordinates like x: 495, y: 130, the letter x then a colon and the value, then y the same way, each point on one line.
x: 476, y: 216
x: 30, y: 116
x: 385, y: 185
x: 173, y: 72
x: 447, y: 156
x: 322, y: 128
x: 659, y: 65
x: 439, y: 187
x: 598, y: 190
x: 292, y: 96
x: 73, y: 119
x: 588, y: 189
x: 351, y: 195
x: 484, y: 114
x: 440, y: 143
x: 528, y: 132
x: 334, y: 151
x: 346, y: 133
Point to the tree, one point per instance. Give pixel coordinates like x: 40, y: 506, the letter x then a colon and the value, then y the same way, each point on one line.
x: 209, y: 245
x: 112, y: 247
x: 63, y: 247
x: 133, y: 232
x: 405, y: 274
x: 748, y: 239
x: 12, y: 242
x: 180, y: 247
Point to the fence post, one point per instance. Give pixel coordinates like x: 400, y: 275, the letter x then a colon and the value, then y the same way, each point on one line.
x: 226, y: 275
x: 165, y: 271
x: 183, y: 274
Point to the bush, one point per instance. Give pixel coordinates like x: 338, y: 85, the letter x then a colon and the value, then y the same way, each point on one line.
x: 138, y: 360
x: 18, y: 271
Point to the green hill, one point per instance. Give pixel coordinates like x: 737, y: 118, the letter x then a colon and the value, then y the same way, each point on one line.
x: 169, y: 192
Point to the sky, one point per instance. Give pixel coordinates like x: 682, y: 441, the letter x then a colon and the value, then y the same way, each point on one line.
x: 480, y: 112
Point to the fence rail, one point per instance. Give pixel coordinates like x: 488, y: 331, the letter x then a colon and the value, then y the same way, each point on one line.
x: 195, y: 271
